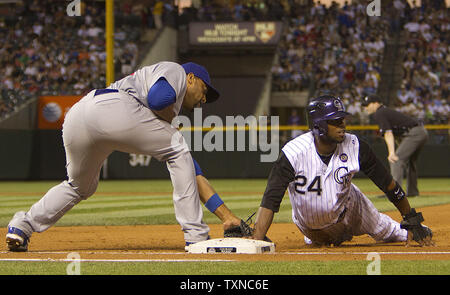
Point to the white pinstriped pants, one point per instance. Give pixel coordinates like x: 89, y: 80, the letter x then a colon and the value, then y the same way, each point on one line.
x: 361, y: 217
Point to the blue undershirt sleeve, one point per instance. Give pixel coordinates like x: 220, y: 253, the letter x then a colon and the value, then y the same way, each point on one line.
x: 161, y: 95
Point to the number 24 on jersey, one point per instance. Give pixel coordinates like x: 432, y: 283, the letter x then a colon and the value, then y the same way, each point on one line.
x: 314, y: 186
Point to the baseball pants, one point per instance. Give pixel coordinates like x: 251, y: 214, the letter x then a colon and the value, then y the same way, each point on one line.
x: 360, y: 217
x: 95, y: 127
x: 408, y: 153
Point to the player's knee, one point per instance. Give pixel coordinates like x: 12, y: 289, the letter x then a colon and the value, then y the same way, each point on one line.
x: 84, y: 191
x: 89, y: 191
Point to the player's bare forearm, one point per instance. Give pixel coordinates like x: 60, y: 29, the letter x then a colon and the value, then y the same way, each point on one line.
x: 390, y: 142
x: 205, y: 191
x: 403, y: 206
x: 263, y: 221
x: 167, y: 114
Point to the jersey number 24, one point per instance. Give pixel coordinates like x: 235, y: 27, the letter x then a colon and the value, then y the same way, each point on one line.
x: 314, y: 186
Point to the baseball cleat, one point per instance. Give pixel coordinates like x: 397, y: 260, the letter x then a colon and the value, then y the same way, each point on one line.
x: 186, y: 246
x: 307, y: 240
x: 16, y: 240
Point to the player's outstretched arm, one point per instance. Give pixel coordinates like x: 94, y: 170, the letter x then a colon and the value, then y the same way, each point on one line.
x: 376, y: 171
x: 207, y: 193
x: 280, y: 176
x: 212, y: 201
x: 263, y: 221
x: 412, y: 220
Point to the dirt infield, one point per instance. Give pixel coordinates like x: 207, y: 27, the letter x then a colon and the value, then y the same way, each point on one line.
x: 165, y: 243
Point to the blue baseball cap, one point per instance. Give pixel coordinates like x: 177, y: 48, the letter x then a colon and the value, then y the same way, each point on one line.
x: 199, y: 71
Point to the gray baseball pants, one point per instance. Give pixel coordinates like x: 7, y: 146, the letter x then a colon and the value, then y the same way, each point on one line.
x: 94, y: 128
x: 408, y: 152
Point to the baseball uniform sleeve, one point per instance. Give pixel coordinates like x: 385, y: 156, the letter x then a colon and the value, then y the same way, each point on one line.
x: 372, y: 167
x: 280, y: 176
x: 161, y: 95
x: 198, y: 170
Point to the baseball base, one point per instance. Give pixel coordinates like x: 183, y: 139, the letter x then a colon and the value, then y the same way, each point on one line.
x: 232, y: 245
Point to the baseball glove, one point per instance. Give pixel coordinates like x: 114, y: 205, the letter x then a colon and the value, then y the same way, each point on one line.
x: 242, y: 230
x: 412, y: 223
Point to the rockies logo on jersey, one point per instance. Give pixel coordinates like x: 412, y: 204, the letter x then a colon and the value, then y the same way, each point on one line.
x: 342, y: 176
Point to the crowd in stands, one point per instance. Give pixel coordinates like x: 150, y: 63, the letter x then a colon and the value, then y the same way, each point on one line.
x: 337, y: 48
x: 239, y: 10
x: 424, y: 92
x: 46, y: 52
x: 340, y: 49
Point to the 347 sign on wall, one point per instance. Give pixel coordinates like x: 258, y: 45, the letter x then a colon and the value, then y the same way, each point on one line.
x: 139, y: 160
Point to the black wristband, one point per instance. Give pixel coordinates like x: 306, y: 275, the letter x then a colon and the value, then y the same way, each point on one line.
x: 396, y: 195
x: 414, y: 216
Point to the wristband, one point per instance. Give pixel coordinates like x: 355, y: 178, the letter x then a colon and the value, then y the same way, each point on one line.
x: 396, y: 195
x: 213, y: 203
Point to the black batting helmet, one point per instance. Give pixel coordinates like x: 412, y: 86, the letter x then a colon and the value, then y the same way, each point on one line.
x: 321, y: 109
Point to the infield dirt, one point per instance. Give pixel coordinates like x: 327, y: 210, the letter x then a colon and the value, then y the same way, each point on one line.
x: 166, y: 242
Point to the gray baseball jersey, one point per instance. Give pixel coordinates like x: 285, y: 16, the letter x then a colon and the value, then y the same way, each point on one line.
x: 326, y: 206
x: 139, y: 83
x: 117, y: 119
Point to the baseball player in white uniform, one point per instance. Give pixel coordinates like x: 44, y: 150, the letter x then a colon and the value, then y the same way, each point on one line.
x: 132, y: 115
x: 317, y: 169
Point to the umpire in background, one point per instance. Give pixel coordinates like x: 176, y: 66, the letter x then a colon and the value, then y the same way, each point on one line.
x: 407, y: 133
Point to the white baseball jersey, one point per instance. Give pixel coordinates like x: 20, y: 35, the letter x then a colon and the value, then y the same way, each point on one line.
x: 326, y: 207
x: 139, y: 83
x: 320, y: 191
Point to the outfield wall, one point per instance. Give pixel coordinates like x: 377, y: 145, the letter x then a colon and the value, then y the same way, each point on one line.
x: 39, y: 155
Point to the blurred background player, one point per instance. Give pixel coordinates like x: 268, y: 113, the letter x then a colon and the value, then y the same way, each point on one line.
x: 405, y: 137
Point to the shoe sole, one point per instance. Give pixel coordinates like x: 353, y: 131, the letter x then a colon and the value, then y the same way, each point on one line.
x: 15, y: 243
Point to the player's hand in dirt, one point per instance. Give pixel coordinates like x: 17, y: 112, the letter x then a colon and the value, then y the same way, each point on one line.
x: 427, y: 241
x: 416, y: 231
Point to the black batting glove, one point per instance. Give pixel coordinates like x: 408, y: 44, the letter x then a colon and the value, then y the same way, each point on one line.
x: 420, y: 233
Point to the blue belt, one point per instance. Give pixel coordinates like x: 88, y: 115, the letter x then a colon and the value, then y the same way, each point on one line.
x: 104, y: 91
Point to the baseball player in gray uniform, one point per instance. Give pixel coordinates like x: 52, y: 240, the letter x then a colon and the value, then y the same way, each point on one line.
x: 317, y: 169
x: 132, y: 115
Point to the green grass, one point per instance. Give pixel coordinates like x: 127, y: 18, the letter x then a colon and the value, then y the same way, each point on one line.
x: 150, y: 202
x: 130, y: 202
x: 388, y: 267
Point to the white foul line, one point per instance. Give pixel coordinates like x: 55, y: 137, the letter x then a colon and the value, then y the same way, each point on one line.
x: 275, y: 253
x: 112, y: 260
x: 365, y: 253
